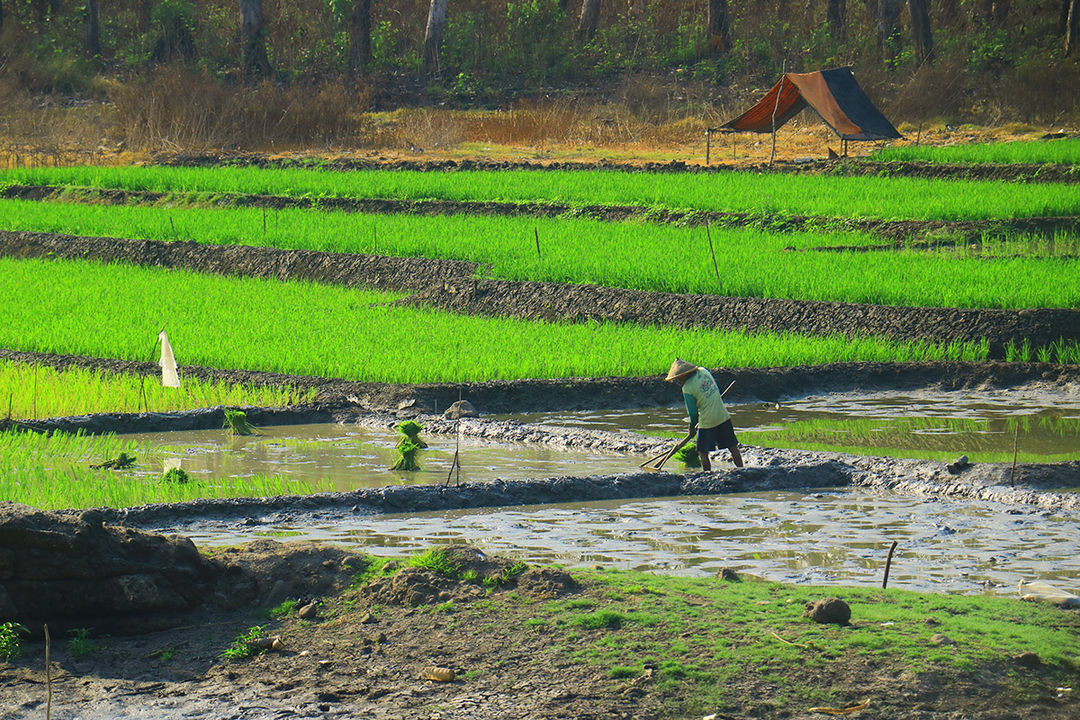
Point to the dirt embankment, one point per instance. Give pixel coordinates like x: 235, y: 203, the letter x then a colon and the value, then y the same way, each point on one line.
x: 341, y: 399
x: 450, y: 285
x: 1020, y: 172
x: 899, y: 233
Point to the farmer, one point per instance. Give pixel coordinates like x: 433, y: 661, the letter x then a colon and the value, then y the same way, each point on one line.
x: 707, y: 411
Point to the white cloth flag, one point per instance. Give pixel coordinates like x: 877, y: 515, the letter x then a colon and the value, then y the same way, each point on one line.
x: 169, y: 376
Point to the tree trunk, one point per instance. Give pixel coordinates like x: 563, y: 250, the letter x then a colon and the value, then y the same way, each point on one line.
x: 837, y: 17
x: 142, y: 16
x: 920, y: 29
x: 360, y: 37
x: 436, y: 26
x: 719, y: 39
x: 93, y: 29
x: 253, y: 59
x: 1072, y: 29
x: 995, y: 12
x: 590, y: 17
x: 1, y: 15
x: 887, y: 16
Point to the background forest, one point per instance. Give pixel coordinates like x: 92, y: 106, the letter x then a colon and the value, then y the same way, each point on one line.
x: 188, y: 70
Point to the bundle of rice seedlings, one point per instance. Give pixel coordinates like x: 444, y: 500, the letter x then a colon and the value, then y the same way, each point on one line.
x: 236, y: 423
x: 407, y: 459
x: 688, y: 455
x: 410, y: 430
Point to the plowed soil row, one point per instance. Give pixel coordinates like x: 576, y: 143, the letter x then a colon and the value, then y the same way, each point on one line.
x: 896, y: 231
x: 449, y: 285
x: 1025, y: 172
x: 338, y: 399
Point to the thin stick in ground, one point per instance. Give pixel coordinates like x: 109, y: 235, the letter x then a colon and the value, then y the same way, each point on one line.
x: 888, y: 565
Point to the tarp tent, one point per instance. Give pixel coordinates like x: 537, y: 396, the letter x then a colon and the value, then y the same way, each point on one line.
x: 833, y: 94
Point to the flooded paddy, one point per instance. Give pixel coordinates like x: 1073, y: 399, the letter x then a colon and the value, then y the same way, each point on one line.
x: 930, y: 424
x: 837, y: 537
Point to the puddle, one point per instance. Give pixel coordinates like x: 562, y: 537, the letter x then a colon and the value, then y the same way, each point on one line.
x: 925, y: 424
x: 351, y: 457
x: 839, y: 537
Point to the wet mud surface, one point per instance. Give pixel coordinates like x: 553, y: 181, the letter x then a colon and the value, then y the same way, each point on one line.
x: 450, y: 285
x: 898, y: 232
x: 1025, y: 172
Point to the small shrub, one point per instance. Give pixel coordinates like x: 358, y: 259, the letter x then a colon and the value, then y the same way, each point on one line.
x: 435, y: 560
x: 244, y: 645
x: 10, y: 641
x: 80, y: 644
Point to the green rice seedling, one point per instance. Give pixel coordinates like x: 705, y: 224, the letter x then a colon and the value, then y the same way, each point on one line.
x: 236, y: 423
x: 406, y: 456
x: 831, y: 196
x: 306, y: 329
x: 1057, y: 152
x: 688, y: 455
x: 11, y: 640
x: 245, y: 645
x: 410, y: 433
x: 38, y: 392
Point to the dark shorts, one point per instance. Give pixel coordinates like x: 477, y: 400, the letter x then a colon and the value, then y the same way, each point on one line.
x: 721, y: 436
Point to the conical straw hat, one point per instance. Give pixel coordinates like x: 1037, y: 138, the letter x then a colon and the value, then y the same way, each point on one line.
x: 679, y: 368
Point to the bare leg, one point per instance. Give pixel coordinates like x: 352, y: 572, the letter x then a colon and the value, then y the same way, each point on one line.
x: 736, y: 456
x: 705, y: 464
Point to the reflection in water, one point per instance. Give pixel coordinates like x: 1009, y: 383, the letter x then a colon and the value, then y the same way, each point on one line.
x: 825, y: 538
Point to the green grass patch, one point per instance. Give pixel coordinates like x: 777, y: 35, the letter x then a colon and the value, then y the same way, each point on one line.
x: 31, y: 391
x: 724, y: 191
x: 1055, y: 152
x: 301, y: 328
x: 636, y: 255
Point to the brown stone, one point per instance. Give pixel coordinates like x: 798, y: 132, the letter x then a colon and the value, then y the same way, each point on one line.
x: 828, y: 610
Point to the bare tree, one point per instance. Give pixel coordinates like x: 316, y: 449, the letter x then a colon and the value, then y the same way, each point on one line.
x: 1072, y: 28
x: 719, y: 39
x: 360, y: 37
x: 837, y: 17
x: 920, y: 29
x: 253, y: 59
x: 590, y: 17
x: 436, y: 26
x: 93, y: 29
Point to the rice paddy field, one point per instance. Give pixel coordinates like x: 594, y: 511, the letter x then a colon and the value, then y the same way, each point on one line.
x: 825, y: 196
x: 1055, y: 152
x: 633, y: 254
x: 115, y: 311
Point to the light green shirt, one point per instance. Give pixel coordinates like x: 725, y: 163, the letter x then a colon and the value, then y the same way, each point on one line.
x: 703, y: 401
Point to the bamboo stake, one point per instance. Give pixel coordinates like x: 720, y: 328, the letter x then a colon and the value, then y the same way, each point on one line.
x: 776, y: 107
x: 888, y: 564
x: 536, y: 234
x: 713, y: 251
x: 1016, y: 445
x: 48, y: 675
x: 708, y: 145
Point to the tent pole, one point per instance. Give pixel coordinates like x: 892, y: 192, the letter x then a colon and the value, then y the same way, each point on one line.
x: 708, y: 145
x: 783, y: 77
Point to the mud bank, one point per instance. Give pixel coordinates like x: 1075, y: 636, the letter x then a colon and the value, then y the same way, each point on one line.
x: 1026, y: 172
x: 450, y: 285
x: 555, y: 301
x: 898, y: 232
x: 343, y: 399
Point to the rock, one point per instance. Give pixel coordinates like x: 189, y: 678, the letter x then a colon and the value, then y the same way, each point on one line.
x: 460, y: 409
x: 1028, y: 659
x: 546, y: 583
x: 940, y: 639
x: 931, y: 622
x: 728, y: 575
x: 308, y: 611
x: 367, y: 619
x: 828, y: 610
x: 439, y: 674
x: 959, y: 466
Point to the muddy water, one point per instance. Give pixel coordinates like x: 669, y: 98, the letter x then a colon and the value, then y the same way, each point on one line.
x: 836, y: 537
x: 1045, y: 424
x: 351, y: 457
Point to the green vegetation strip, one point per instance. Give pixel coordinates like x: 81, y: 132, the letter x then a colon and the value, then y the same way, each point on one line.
x: 30, y: 391
x: 301, y: 328
x: 830, y: 196
x: 1055, y: 152
x: 53, y: 472
x: 634, y: 255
